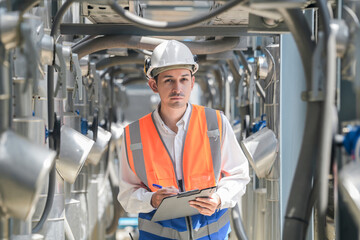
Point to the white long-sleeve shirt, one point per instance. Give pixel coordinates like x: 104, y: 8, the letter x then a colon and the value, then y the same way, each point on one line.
x: 135, y: 199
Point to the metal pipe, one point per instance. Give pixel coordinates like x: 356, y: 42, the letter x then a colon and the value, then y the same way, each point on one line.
x: 119, y: 60
x: 148, y: 43
x: 4, y: 97
x: 327, y: 132
x: 22, y: 98
x: 170, y: 26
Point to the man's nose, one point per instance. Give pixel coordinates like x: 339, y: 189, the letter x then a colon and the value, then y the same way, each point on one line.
x: 176, y: 87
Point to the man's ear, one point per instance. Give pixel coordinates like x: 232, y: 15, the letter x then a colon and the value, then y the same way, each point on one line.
x: 152, y: 84
x: 192, y: 81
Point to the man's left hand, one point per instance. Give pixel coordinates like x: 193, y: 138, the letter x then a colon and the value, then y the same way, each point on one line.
x: 206, y: 206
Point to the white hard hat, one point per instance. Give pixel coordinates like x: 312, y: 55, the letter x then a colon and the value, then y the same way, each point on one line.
x: 170, y: 55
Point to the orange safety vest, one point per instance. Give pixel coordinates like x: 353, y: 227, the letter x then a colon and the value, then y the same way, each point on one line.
x: 201, y: 158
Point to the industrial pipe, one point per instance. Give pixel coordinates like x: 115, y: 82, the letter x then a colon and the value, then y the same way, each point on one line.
x: 148, y: 43
x: 119, y: 60
x: 170, y: 26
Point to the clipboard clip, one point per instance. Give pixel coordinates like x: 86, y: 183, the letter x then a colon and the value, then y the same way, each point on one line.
x: 188, y: 193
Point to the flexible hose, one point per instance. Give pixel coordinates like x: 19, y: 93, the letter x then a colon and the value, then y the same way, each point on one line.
x: 24, y: 6
x: 238, y: 225
x: 149, y: 43
x: 169, y: 26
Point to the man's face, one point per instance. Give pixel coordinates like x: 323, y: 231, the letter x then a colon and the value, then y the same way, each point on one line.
x: 174, y: 87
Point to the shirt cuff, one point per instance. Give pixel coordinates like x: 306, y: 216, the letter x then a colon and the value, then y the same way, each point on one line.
x: 223, y: 193
x: 147, y: 199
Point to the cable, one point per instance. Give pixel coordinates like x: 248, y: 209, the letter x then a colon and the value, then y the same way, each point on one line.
x: 169, y: 26
x: 238, y: 225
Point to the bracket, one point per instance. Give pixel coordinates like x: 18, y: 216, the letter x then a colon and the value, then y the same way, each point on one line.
x: 78, y: 75
x: 61, y: 71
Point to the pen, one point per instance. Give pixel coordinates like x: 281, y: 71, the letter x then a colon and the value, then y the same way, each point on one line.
x: 157, y: 186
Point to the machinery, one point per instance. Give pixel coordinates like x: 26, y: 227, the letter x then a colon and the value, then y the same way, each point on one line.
x: 284, y: 72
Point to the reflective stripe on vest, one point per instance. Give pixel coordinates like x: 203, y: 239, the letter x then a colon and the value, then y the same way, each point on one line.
x: 161, y: 228
x: 150, y: 160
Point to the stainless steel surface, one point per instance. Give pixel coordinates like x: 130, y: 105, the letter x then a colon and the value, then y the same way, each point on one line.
x: 32, y: 128
x: 4, y: 96
x: 54, y: 226
x: 23, y: 169
x: 72, y: 120
x: 47, y: 50
x: 349, y: 185
x: 247, y: 204
x: 261, y: 149
x: 272, y: 226
x: 93, y: 209
x: 59, y: 106
x: 41, y: 108
x: 21, y: 230
x: 100, y: 146
x: 259, y: 215
x: 73, y: 214
x: 4, y: 228
x: 81, y: 183
x: 74, y: 149
x: 22, y: 98
x: 8, y: 25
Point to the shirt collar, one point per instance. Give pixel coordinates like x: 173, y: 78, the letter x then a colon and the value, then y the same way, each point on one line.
x: 185, y: 118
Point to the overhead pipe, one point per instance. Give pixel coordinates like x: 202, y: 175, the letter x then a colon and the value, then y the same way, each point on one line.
x: 170, y: 26
x: 119, y: 60
x: 298, y: 210
x: 149, y: 43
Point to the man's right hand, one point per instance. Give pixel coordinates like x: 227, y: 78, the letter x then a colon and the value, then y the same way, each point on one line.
x: 160, y: 194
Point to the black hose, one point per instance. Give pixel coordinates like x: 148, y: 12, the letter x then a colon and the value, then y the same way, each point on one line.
x: 296, y: 22
x: 170, y: 26
x: 111, y: 229
x: 238, y: 225
x: 49, y: 201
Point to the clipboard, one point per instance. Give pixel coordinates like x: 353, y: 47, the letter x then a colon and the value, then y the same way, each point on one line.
x: 178, y: 205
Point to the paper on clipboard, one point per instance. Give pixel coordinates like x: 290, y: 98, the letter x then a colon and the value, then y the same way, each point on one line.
x: 178, y: 205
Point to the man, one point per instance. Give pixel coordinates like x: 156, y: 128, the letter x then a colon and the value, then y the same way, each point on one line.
x: 180, y: 147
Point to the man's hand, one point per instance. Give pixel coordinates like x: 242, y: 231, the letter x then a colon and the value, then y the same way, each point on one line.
x: 206, y: 206
x: 158, y: 196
